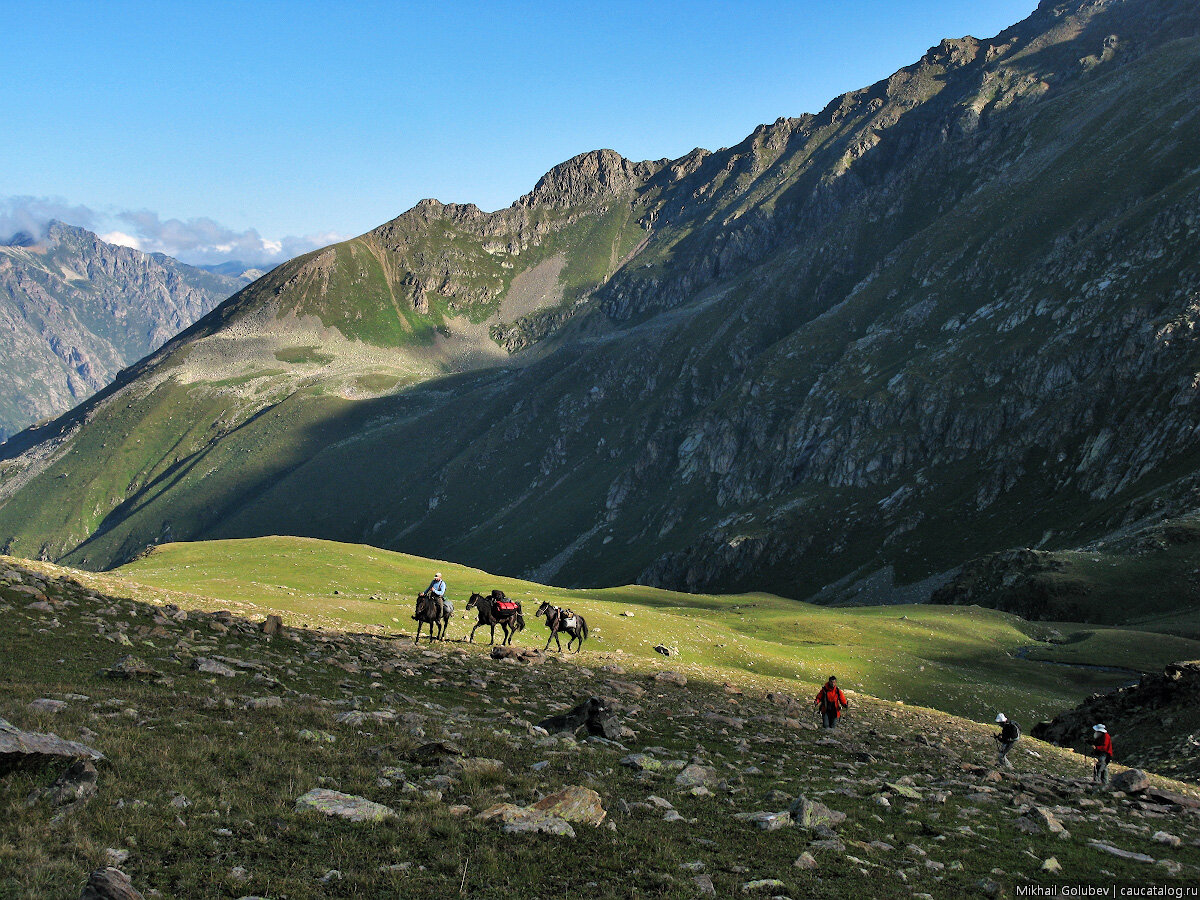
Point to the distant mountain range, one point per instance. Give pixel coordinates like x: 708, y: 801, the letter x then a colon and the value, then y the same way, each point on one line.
x: 76, y: 310
x: 953, y: 312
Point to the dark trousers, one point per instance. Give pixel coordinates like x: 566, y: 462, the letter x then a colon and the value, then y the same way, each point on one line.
x: 829, y: 718
x: 1004, y: 747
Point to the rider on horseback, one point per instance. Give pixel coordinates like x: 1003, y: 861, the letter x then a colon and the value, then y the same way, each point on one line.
x: 437, y: 593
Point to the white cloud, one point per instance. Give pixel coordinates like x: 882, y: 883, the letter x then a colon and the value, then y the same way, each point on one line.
x: 199, y: 241
x: 122, y: 239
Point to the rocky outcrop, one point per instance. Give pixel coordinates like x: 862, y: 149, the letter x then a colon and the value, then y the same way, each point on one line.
x: 76, y: 310
x: 1154, y: 722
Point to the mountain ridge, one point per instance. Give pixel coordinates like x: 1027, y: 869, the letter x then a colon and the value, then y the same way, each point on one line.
x: 78, y: 310
x: 888, y: 336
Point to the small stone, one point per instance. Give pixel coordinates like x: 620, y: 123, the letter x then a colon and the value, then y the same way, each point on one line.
x: 316, y: 737
x: 1051, y: 866
x: 1164, y: 837
x: 272, y: 625
x: 704, y: 884
x: 805, y: 861
x: 1123, y: 854
x: 45, y: 705
x: 762, y: 884
x: 767, y: 821
x: 116, y: 858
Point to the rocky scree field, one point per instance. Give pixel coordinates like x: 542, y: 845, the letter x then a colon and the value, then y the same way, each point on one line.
x: 432, y: 775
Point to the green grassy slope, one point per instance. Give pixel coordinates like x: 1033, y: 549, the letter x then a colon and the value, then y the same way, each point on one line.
x: 203, y: 771
x: 963, y: 661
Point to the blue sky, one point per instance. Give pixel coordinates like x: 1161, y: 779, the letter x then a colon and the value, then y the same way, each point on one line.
x: 212, y: 129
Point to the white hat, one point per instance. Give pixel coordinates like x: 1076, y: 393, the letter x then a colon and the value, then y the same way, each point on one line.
x: 437, y: 574
x: 1100, y: 728
x: 1002, y: 718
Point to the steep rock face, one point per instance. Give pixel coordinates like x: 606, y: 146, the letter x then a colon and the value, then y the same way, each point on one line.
x: 951, y: 312
x: 75, y: 310
x: 1155, y: 722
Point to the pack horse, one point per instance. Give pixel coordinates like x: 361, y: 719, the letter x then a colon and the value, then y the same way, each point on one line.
x: 496, y: 609
x: 563, y: 620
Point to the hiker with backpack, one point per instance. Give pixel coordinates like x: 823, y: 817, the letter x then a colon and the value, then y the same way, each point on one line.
x: 1009, y: 733
x: 1102, y: 749
x: 831, y: 701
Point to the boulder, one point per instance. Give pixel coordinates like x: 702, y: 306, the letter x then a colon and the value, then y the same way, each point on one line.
x: 1046, y: 820
x: 45, y: 705
x: 74, y: 787
x: 344, y: 806
x: 109, y: 884
x: 767, y: 821
x: 811, y: 814
x: 549, y: 825
x: 573, y: 804
x: 272, y: 625
x: 528, y: 655
x: 642, y: 762
x: 131, y: 667
x: 675, y: 678
x: 1131, y: 781
x: 212, y: 667
x: 29, y: 749
x: 695, y: 775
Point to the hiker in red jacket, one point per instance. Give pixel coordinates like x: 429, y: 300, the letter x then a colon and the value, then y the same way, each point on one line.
x: 1102, y: 749
x: 831, y: 701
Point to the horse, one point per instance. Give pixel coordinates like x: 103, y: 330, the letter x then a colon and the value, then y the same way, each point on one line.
x: 485, y: 605
x: 430, y: 611
x: 563, y: 620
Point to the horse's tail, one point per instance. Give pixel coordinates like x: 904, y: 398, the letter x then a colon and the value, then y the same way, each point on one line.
x: 583, y: 626
x: 520, y: 621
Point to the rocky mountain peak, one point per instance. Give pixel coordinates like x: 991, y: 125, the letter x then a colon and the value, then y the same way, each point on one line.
x: 597, y: 173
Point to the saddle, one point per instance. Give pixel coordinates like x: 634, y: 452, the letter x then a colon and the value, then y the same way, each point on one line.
x: 569, y: 619
x: 505, y: 607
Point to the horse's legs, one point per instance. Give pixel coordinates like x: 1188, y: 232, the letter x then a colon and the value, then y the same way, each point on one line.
x: 548, y: 640
x: 471, y: 636
x: 558, y: 641
x: 417, y: 639
x: 493, y: 640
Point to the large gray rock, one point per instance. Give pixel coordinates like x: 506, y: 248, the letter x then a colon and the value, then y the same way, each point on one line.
x: 344, y: 806
x: 109, y: 884
x: 30, y: 749
x: 131, y: 667
x: 695, y: 775
x: 811, y: 814
x: 212, y: 667
x: 1131, y: 781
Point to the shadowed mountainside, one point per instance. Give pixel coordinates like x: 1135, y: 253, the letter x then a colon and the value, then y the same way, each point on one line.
x: 951, y: 312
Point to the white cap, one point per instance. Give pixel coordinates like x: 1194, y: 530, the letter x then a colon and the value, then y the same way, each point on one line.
x: 1100, y: 728
x: 437, y: 574
x: 1002, y: 718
